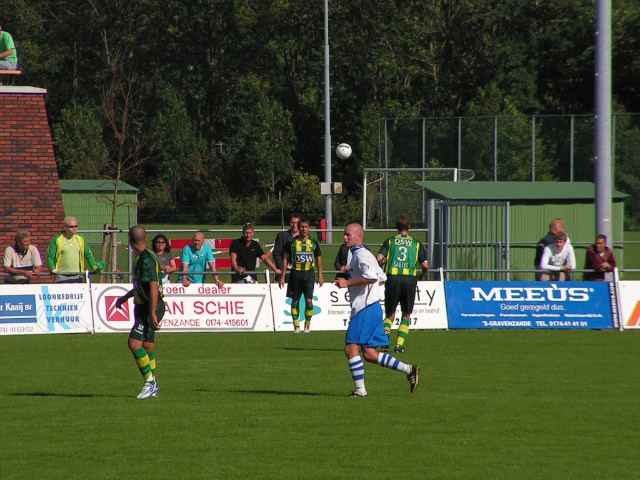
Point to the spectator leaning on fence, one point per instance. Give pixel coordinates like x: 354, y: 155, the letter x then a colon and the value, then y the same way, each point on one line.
x: 558, y: 258
x: 195, y: 258
x: 22, y: 261
x: 244, y: 253
x: 600, y: 259
x: 162, y: 250
x: 556, y: 225
x: 8, y: 53
x: 69, y: 253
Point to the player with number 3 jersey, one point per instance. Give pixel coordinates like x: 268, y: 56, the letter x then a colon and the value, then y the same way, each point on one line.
x: 402, y: 254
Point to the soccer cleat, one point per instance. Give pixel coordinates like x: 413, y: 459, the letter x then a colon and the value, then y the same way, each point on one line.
x: 357, y: 393
x: 385, y: 348
x: 399, y: 349
x: 307, y: 330
x: 296, y: 330
x: 155, y: 390
x: 147, y: 390
x: 413, y: 377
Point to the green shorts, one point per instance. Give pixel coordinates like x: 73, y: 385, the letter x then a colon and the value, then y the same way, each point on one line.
x: 399, y: 289
x: 142, y: 327
x: 301, y: 282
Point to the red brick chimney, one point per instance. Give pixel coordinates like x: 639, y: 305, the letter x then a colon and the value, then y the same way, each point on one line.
x: 30, y: 196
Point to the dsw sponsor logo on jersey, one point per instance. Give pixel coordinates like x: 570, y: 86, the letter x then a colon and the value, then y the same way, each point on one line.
x: 553, y: 293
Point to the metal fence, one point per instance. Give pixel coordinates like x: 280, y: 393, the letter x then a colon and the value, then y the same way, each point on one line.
x: 489, y: 257
x: 501, y: 148
x: 454, y: 270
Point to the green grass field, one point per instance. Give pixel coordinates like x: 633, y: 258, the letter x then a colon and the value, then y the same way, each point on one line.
x: 490, y: 405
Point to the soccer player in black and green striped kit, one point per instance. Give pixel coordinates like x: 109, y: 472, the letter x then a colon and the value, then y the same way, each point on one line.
x: 302, y: 253
x: 149, y: 309
x: 402, y: 254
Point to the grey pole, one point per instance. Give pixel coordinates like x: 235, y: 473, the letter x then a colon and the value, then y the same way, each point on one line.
x: 602, y: 171
x: 495, y: 149
x: 327, y: 125
x: 571, y: 138
x: 533, y: 148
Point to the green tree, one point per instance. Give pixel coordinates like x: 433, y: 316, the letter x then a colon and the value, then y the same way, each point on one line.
x: 262, y: 140
x: 304, y: 193
x: 80, y: 149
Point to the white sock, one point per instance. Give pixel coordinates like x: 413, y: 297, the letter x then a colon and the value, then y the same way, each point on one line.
x: 389, y: 361
x: 356, y: 365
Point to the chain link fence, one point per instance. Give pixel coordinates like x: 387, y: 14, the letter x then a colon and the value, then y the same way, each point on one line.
x: 507, y: 148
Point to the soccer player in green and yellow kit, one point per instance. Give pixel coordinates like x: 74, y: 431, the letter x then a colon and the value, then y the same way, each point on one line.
x: 148, y: 311
x: 302, y: 253
x: 402, y: 254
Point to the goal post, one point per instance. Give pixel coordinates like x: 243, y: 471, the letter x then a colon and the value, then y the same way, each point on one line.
x: 386, y: 192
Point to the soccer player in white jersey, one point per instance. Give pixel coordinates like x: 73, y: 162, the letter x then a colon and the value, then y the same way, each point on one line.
x: 366, y: 331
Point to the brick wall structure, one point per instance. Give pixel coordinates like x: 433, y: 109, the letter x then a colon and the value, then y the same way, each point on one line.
x: 30, y: 196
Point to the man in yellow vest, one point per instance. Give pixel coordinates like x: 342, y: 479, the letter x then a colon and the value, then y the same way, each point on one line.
x: 69, y: 255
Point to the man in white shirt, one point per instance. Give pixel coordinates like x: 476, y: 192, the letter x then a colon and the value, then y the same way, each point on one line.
x: 22, y: 260
x: 366, y: 329
x: 558, y: 258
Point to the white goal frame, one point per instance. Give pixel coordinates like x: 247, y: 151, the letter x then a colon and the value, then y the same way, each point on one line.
x: 457, y: 175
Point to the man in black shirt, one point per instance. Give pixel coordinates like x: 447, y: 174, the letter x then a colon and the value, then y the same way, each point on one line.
x: 244, y: 252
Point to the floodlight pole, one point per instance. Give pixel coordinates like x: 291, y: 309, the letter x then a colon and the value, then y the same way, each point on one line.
x: 602, y: 173
x: 327, y: 125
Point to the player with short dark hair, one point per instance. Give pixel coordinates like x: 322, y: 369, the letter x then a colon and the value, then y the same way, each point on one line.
x: 303, y: 254
x: 148, y: 311
x: 402, y: 254
x: 280, y: 244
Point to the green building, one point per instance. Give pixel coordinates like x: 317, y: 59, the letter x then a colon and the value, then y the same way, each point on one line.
x: 496, y: 225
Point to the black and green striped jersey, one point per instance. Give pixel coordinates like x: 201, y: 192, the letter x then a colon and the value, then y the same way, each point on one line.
x: 146, y: 269
x: 403, y: 255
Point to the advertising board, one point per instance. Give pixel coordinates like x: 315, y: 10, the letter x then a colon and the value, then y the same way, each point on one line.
x: 32, y: 309
x: 629, y: 304
x: 204, y: 307
x: 581, y: 305
x: 332, y: 310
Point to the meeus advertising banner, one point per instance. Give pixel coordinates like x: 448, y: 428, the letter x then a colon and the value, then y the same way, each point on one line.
x: 555, y: 305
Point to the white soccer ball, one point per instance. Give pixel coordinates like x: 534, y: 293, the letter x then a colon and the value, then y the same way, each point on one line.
x: 343, y: 151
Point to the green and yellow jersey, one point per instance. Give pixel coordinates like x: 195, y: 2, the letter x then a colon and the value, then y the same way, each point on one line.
x: 302, y: 253
x: 403, y: 254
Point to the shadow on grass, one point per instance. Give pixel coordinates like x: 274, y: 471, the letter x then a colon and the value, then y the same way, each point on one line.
x: 65, y: 395
x: 275, y: 392
x: 314, y: 349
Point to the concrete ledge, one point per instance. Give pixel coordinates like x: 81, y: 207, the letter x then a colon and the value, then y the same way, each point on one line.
x: 16, y: 90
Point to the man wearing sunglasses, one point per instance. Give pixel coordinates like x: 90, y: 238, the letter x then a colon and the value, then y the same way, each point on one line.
x: 69, y: 254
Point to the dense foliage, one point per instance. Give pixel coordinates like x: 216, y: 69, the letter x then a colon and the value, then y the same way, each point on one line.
x: 213, y: 107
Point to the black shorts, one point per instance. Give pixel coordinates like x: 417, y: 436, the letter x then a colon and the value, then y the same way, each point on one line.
x: 142, y: 327
x: 399, y: 289
x: 301, y: 282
